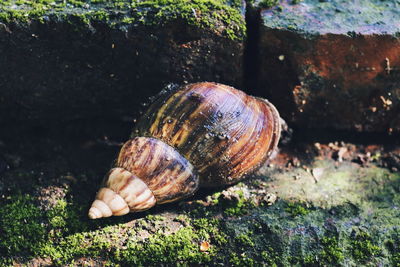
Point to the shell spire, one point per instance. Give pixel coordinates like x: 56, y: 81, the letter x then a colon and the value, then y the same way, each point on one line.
x: 123, y: 193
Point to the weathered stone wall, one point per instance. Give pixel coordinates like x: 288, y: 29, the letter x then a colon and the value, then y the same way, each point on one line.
x: 104, y: 60
x: 333, y: 64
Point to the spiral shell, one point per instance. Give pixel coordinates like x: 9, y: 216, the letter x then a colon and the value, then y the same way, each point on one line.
x: 203, y: 134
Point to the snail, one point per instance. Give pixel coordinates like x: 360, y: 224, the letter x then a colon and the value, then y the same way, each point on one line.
x: 198, y: 135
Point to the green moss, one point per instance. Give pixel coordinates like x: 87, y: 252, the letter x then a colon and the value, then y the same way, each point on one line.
x: 394, y: 248
x: 66, y: 218
x: 331, y: 252
x: 201, y: 13
x: 62, y: 246
x: 245, y: 240
x: 181, y: 247
x: 284, y: 234
x: 208, y: 14
x: 296, y: 209
x: 362, y: 247
x: 396, y: 259
x: 238, y: 209
x: 20, y: 225
x: 238, y: 205
x: 268, y: 3
x: 232, y: 202
x: 270, y: 257
x: 155, y: 218
x: 241, y: 260
x: 27, y: 230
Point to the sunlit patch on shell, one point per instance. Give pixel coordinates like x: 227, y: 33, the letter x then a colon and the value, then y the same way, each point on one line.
x: 132, y: 189
x: 123, y: 193
x: 108, y: 203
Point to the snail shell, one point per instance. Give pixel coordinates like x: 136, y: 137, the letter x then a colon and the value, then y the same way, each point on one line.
x: 198, y: 135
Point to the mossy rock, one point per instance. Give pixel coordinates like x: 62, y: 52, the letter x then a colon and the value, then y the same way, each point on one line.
x: 68, y: 60
x: 347, y: 216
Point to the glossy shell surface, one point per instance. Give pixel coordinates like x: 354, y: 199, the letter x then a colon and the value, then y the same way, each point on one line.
x: 165, y: 172
x: 224, y: 133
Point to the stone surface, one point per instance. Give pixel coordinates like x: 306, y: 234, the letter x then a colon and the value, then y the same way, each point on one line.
x: 333, y: 64
x: 66, y: 60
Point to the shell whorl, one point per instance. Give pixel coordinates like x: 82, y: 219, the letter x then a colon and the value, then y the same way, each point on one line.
x: 122, y: 193
x: 166, y: 173
x: 223, y: 132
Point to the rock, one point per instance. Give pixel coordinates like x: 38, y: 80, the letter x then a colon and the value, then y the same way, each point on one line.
x: 71, y: 60
x: 333, y: 64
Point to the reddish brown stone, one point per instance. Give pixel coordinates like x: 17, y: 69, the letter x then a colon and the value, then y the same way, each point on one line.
x: 325, y: 76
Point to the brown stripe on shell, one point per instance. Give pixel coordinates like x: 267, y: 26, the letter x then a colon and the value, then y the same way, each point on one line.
x: 161, y: 167
x: 222, y: 131
x: 255, y: 151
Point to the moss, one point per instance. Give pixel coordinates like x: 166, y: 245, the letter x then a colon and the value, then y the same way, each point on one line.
x: 155, y: 218
x: 20, y: 225
x: 27, y: 230
x: 270, y: 257
x: 181, y: 247
x: 268, y: 3
x: 331, y: 252
x: 241, y: 260
x: 283, y: 234
x: 245, y: 240
x: 209, y: 14
x: 232, y: 202
x: 362, y: 247
x: 393, y: 246
x: 66, y: 218
x: 237, y: 206
x: 62, y: 246
x: 396, y: 259
x: 296, y: 209
x: 238, y: 209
